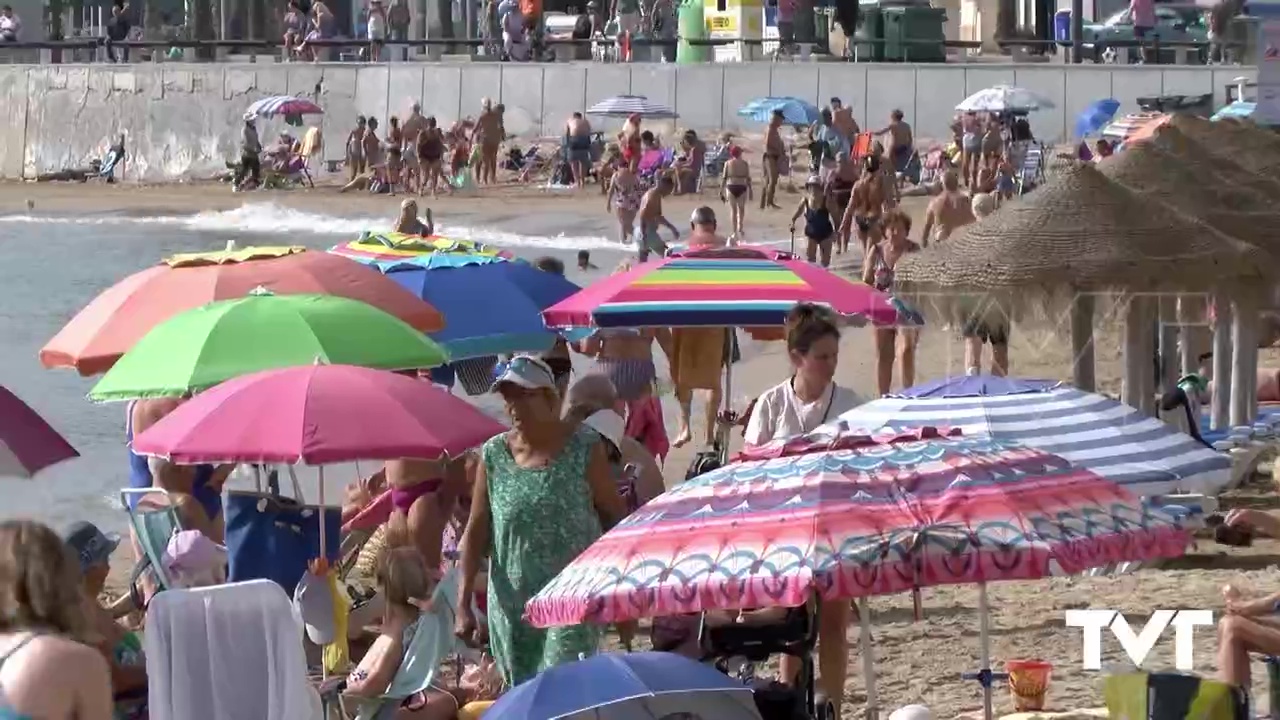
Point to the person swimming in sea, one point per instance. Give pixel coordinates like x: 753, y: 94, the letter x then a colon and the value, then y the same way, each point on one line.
x: 584, y: 261
x: 410, y: 224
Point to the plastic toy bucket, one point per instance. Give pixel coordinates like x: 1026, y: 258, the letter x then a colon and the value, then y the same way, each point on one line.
x: 1028, y: 683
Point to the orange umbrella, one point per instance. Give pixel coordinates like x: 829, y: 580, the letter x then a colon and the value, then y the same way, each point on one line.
x: 109, y: 325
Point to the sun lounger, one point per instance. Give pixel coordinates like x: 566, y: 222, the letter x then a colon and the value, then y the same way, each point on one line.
x: 228, y: 651
x: 152, y: 527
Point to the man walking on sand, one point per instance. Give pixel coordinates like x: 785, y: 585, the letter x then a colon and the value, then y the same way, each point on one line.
x: 413, y: 125
x: 650, y: 218
x: 948, y: 211
x: 866, y: 206
x: 842, y: 120
x: 775, y: 153
x: 577, y: 133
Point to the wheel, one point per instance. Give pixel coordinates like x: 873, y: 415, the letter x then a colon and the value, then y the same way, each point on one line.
x: 823, y: 709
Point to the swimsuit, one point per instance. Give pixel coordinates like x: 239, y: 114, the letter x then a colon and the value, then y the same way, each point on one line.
x: 6, y: 710
x: 841, y: 189
x: 403, y: 498
x: 647, y: 241
x: 140, y: 474
x: 627, y: 199
x: 579, y: 148
x: 817, y: 224
x: 737, y: 187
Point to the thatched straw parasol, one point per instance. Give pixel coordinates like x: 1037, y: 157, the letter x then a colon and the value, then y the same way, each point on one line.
x: 1082, y: 230
x: 1243, y: 143
x: 1224, y: 162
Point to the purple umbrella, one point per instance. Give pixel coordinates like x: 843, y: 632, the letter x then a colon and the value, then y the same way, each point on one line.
x: 27, y: 443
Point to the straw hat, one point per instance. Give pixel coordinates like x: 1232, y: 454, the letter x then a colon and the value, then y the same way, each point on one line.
x: 1084, y: 231
x: 1225, y: 163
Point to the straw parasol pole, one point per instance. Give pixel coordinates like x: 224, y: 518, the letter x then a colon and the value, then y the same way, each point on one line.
x: 1079, y: 235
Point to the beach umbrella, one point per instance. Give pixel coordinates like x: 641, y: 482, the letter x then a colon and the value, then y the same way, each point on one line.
x: 27, y: 443
x: 1096, y: 116
x: 318, y: 415
x: 390, y: 251
x: 719, y: 287
x: 623, y: 106
x: 287, y: 105
x: 495, y: 308
x: 1004, y: 98
x: 850, y: 516
x: 1255, y: 148
x: 1135, y: 127
x: 627, y: 686
x: 794, y: 110
x: 1240, y: 109
x: 93, y: 340
x: 200, y: 348
x: 1140, y: 453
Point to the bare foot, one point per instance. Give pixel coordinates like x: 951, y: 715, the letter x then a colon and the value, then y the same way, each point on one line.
x: 683, y: 438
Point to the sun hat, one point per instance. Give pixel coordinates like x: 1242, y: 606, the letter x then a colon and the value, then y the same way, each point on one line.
x: 313, y: 602
x: 90, y: 545
x: 526, y: 371
x: 609, y: 424
x: 191, y: 552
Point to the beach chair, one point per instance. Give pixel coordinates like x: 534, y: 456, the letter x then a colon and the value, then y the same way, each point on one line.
x: 1028, y: 160
x: 227, y: 651
x: 432, y: 642
x: 862, y: 145
x: 151, y: 529
x: 651, y: 163
x: 932, y: 166
x: 713, y: 162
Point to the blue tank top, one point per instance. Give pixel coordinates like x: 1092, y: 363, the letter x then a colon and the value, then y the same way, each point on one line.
x: 6, y: 710
x: 140, y: 476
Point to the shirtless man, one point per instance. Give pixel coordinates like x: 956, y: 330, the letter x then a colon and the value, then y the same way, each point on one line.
x: 702, y: 233
x: 901, y: 142
x: 840, y: 191
x: 413, y: 125
x: 372, y: 146
x: 651, y: 218
x: 842, y: 120
x: 775, y: 153
x: 577, y: 133
x: 948, y: 211
x: 488, y: 134
x: 866, y: 207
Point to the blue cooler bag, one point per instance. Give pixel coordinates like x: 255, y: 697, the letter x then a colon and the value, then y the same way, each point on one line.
x: 272, y: 537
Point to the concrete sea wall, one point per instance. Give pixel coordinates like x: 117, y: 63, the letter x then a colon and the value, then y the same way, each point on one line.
x: 182, y: 120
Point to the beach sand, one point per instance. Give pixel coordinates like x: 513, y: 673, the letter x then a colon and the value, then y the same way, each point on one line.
x: 915, y: 661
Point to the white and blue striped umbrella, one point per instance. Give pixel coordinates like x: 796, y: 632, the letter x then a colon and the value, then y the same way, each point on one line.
x: 1138, y: 452
x: 1004, y: 98
x: 628, y: 105
x: 283, y: 105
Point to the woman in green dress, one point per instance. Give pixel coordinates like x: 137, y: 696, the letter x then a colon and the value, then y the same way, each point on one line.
x: 543, y: 493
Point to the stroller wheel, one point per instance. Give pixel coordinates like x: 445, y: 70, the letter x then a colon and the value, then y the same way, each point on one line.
x: 823, y: 709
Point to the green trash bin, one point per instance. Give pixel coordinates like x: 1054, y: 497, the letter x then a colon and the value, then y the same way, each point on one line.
x: 915, y: 23
x: 866, y: 41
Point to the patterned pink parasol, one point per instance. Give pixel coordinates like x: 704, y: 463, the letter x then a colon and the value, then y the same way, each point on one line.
x: 318, y: 415
x: 27, y: 443
x: 852, y: 516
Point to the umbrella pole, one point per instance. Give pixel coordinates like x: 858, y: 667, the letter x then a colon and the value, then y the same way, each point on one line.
x: 868, y: 659
x: 984, y: 649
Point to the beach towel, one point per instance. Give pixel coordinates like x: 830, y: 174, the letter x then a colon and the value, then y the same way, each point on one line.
x: 1172, y: 696
x: 312, y: 142
x: 700, y: 354
x: 645, y: 424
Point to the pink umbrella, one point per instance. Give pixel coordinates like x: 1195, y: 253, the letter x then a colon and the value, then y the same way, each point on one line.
x: 318, y: 415
x: 27, y: 443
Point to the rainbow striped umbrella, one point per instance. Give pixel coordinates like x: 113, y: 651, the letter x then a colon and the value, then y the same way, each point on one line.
x: 390, y: 251
x: 851, y: 516
x: 743, y: 286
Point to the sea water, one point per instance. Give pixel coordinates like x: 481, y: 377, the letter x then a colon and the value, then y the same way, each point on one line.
x: 52, y: 265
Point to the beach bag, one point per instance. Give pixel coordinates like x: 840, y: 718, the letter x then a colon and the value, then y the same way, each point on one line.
x: 272, y: 537
x: 1173, y: 696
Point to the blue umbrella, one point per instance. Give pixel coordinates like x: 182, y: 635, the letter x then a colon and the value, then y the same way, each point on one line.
x: 627, y: 686
x: 1242, y: 109
x: 794, y: 110
x: 1095, y: 117
x: 489, y: 309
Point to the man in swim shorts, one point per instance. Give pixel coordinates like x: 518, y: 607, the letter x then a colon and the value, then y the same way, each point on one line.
x: 577, y: 133
x: 866, y: 206
x: 650, y: 218
x: 989, y: 325
x: 901, y: 142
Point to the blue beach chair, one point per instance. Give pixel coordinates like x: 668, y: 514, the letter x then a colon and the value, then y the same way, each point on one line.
x: 152, y: 527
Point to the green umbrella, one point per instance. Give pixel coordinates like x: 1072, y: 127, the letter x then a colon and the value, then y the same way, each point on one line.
x: 200, y: 348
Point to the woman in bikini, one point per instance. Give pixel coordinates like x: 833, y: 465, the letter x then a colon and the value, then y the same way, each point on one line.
x: 735, y: 188
x: 430, y: 152
x: 623, y: 199
x: 818, y: 228
x: 625, y: 355
x: 878, y: 272
x: 423, y: 495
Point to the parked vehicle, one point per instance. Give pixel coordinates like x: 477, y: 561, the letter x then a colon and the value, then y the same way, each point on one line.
x: 1174, y: 23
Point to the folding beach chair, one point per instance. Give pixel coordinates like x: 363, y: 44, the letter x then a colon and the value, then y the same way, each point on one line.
x: 932, y: 166
x: 1029, y: 163
x: 651, y: 163
x: 227, y: 651
x: 151, y: 529
x: 862, y: 145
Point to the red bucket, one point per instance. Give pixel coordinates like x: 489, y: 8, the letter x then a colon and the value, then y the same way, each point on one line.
x: 1028, y: 683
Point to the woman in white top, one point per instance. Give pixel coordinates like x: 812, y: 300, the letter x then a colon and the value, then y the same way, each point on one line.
x: 809, y: 398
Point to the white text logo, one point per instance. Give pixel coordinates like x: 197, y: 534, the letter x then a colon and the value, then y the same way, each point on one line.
x: 1138, y: 646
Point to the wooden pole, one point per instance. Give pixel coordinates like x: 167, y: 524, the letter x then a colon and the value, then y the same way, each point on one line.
x: 1244, y: 344
x: 1170, y: 360
x: 1219, y: 416
x: 1134, y: 330
x: 1193, y: 338
x: 1082, y: 360
x: 1149, y: 376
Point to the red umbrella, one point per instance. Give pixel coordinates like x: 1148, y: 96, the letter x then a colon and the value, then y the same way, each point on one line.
x: 115, y: 320
x: 318, y: 415
x: 27, y: 443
